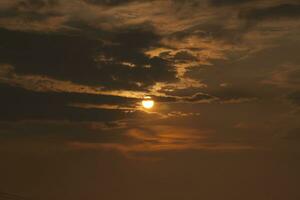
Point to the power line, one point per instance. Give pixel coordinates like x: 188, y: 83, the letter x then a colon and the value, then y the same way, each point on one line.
x: 9, y: 196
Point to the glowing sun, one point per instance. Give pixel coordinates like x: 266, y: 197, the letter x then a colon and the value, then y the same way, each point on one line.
x: 148, y: 103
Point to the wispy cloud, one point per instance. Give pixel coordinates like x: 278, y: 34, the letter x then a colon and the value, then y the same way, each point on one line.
x: 163, y: 138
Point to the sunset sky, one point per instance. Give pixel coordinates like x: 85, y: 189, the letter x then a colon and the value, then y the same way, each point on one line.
x: 223, y: 77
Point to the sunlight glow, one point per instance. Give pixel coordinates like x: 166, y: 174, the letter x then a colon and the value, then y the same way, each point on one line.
x: 148, y: 103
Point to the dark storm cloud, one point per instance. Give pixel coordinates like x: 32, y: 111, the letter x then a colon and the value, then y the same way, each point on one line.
x: 88, y: 61
x: 291, y: 11
x: 21, y: 104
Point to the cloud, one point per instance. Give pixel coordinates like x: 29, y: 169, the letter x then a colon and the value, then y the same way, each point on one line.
x: 108, y: 2
x: 21, y: 104
x: 200, y: 97
x: 88, y: 61
x: 160, y: 139
x: 290, y: 11
x: 228, y: 2
x: 32, y: 15
x: 52, y: 136
x: 92, y: 61
x: 40, y: 83
x: 286, y: 76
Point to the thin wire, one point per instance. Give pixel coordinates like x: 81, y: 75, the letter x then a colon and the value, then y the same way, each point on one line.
x: 8, y: 196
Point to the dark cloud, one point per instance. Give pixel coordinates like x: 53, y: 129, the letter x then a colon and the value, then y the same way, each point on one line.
x: 183, y: 56
x: 21, y: 104
x: 231, y: 94
x: 218, y: 31
x: 214, y: 31
x: 108, y: 2
x: 31, y: 10
x: 119, y: 65
x: 36, y: 4
x: 198, y: 97
x: 189, y: 3
x: 228, y: 2
x: 272, y: 13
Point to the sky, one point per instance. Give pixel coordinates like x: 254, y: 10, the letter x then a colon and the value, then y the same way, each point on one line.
x: 224, y: 76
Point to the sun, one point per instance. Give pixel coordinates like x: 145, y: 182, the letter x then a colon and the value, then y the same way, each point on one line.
x: 148, y: 103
